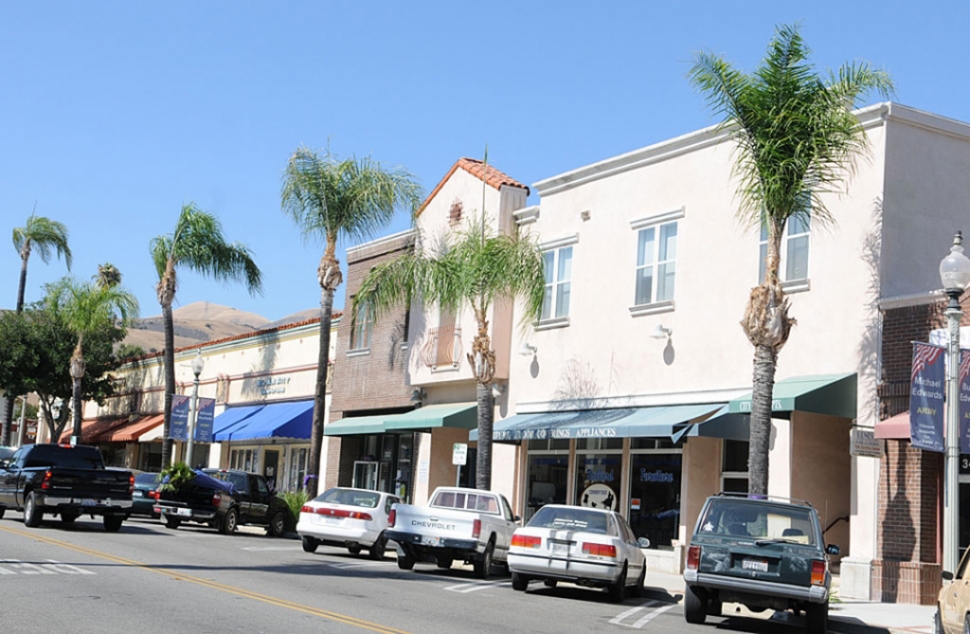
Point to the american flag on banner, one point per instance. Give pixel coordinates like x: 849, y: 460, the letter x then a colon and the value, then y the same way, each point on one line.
x: 964, y: 365
x: 924, y: 355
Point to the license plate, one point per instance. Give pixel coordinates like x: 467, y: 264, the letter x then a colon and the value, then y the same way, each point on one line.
x: 186, y: 512
x: 431, y: 541
x: 559, y: 549
x: 757, y: 565
x: 138, y: 494
x: 333, y: 521
x: 89, y: 502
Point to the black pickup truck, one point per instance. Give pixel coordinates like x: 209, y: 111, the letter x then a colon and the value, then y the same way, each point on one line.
x: 223, y: 499
x: 66, y: 481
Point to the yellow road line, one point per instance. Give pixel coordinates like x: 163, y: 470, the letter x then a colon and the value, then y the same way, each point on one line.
x: 256, y: 596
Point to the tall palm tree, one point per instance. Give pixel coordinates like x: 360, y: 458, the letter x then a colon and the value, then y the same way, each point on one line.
x: 87, y: 308
x: 48, y: 237
x: 473, y: 268
x: 108, y: 275
x: 197, y: 244
x: 333, y: 199
x: 797, y: 141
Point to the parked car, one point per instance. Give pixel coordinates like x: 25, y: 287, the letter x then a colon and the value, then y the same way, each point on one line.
x: 223, y: 499
x: 763, y: 553
x: 6, y: 452
x: 953, y: 603
x: 465, y: 524
x: 145, y: 495
x: 589, y: 547
x: 350, y: 518
x: 64, y: 480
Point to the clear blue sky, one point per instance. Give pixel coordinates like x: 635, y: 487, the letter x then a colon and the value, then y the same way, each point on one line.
x: 113, y: 114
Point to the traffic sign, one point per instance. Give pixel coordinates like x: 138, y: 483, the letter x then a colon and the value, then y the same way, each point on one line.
x: 460, y: 455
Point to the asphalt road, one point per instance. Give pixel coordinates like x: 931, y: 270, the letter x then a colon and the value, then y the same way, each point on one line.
x: 147, y: 579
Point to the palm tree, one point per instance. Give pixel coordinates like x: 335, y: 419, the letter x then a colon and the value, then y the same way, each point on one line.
x: 797, y: 140
x: 198, y: 244
x: 473, y: 268
x: 108, y: 275
x: 87, y: 308
x: 334, y: 199
x: 46, y: 236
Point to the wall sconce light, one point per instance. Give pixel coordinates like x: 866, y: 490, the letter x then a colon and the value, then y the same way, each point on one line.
x: 660, y: 332
x: 527, y: 349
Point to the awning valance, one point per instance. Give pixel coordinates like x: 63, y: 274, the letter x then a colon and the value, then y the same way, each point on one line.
x: 355, y: 425
x: 829, y: 394
x: 94, y: 430
x: 896, y: 427
x: 133, y: 431
x: 721, y: 424
x: 273, y: 420
x: 455, y: 415
x: 627, y: 422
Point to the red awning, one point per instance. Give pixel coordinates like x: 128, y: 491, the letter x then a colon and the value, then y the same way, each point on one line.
x: 94, y: 430
x: 896, y: 428
x: 133, y: 431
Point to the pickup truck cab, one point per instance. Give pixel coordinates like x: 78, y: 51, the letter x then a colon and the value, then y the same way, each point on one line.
x: 66, y: 481
x: 466, y: 524
x: 224, y: 499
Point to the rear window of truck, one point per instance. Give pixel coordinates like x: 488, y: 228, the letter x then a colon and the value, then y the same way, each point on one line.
x: 68, y: 457
x: 461, y: 501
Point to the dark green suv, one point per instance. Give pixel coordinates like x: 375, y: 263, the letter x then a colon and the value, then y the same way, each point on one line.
x: 763, y: 553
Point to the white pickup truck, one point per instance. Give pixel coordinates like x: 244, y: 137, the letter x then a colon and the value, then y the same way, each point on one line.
x: 466, y: 524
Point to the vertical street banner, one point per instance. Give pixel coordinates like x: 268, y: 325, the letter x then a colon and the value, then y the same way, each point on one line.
x: 926, y: 397
x: 964, y: 397
x: 178, y: 428
x: 203, y: 420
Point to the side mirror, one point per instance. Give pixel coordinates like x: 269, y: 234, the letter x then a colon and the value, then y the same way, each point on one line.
x: 832, y: 549
x: 643, y: 542
x: 947, y: 575
x: 4, y: 463
x: 516, y: 518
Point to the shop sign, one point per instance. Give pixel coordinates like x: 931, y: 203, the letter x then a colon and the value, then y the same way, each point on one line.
x: 598, y: 496
x: 203, y: 420
x: 656, y: 476
x: 272, y: 385
x: 863, y: 443
x: 178, y: 427
x: 459, y: 455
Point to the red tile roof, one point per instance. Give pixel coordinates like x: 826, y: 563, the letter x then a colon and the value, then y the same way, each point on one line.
x: 476, y: 168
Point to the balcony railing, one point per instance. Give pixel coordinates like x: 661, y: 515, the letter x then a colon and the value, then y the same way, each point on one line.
x: 443, y: 348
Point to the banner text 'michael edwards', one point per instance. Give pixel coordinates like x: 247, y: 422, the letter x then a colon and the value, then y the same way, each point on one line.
x: 924, y: 386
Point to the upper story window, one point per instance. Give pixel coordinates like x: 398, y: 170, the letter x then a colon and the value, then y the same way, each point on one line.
x: 656, y: 263
x: 559, y: 272
x: 793, y: 265
x: 360, y: 329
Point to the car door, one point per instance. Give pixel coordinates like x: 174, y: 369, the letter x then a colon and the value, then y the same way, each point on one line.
x: 243, y: 494
x: 9, y: 477
x: 507, y: 526
x: 634, y: 555
x: 259, y: 506
x: 954, y: 596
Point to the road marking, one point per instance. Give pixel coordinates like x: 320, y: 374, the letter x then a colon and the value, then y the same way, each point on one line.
x: 26, y: 568
x: 178, y: 576
x: 652, y: 616
x: 475, y: 586
x: 619, y: 617
x: 256, y: 549
x: 342, y: 565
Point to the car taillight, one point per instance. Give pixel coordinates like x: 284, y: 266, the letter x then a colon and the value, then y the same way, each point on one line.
x: 526, y: 541
x: 306, y: 509
x: 391, y: 518
x: 818, y: 572
x: 131, y: 484
x: 155, y: 495
x: 354, y: 515
x: 216, y: 499
x: 599, y: 550
x: 693, y: 557
x: 476, y: 528
x: 46, y: 483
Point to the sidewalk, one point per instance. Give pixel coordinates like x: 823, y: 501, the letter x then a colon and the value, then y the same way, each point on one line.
x: 845, y: 615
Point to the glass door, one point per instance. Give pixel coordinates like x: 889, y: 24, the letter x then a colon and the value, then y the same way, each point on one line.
x: 365, y: 475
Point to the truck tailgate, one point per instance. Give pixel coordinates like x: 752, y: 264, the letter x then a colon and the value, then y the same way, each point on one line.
x: 447, y: 523
x: 90, y: 483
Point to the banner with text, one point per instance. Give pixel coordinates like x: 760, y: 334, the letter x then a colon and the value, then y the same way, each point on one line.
x: 926, y: 397
x: 203, y: 420
x: 964, y: 397
x: 178, y: 428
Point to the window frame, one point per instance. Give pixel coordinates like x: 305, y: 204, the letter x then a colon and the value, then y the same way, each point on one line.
x: 556, y: 284
x: 367, y: 326
x: 789, y: 285
x: 653, y: 261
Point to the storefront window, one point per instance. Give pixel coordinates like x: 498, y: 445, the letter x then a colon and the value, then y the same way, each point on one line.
x: 734, y: 467
x: 548, y: 479
x: 598, y: 479
x: 298, y: 464
x: 655, y: 496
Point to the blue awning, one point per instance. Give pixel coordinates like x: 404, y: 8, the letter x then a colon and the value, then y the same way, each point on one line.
x: 627, y: 422
x: 232, y: 418
x: 274, y: 420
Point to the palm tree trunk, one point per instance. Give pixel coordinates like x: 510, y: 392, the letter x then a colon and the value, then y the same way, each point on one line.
x: 486, y: 417
x: 77, y: 373
x: 320, y: 395
x: 169, y: 382
x: 763, y: 383
x: 23, y: 281
x: 8, y: 401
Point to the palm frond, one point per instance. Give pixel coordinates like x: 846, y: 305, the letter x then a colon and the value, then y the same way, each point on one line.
x: 46, y: 236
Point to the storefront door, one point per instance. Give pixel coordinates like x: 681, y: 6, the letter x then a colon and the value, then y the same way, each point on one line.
x: 271, y: 463
x: 365, y: 475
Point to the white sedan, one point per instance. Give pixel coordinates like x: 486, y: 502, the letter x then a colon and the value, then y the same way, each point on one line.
x: 351, y: 518
x: 589, y: 547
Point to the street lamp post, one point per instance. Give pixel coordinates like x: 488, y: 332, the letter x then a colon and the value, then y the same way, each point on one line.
x: 197, y: 364
x: 955, y: 274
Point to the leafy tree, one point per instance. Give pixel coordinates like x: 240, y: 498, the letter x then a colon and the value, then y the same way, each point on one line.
x: 797, y: 140
x: 127, y: 351
x: 47, y: 236
x: 199, y: 245
x: 87, y: 309
x: 474, y: 268
x: 332, y: 199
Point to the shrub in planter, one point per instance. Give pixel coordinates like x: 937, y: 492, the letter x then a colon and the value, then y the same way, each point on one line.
x: 294, y: 501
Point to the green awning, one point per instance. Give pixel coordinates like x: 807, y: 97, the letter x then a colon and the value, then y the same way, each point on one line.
x: 456, y: 415
x: 829, y: 394
x: 355, y: 425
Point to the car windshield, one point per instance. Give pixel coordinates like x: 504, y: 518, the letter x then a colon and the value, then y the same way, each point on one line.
x: 350, y: 497
x: 146, y: 478
x: 757, y: 521
x: 575, y: 519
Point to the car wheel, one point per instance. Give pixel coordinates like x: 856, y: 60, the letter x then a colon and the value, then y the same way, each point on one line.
x: 310, y: 544
x: 112, y: 523
x: 483, y: 565
x: 405, y: 561
x: 355, y: 549
x: 68, y: 518
x: 937, y: 622
x: 618, y: 588
x: 638, y: 589
x: 444, y: 562
x: 966, y: 624
x: 520, y: 582
x: 32, y: 515
x: 277, y: 525
x: 695, y: 608
x: 229, y: 521
x: 817, y: 618
x: 172, y: 522
x: 377, y: 549
x: 550, y: 583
